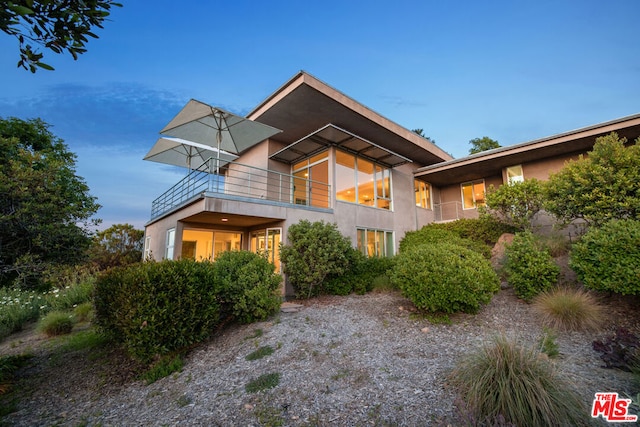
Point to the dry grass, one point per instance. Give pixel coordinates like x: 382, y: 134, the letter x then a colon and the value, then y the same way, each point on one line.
x: 504, y: 381
x: 569, y: 309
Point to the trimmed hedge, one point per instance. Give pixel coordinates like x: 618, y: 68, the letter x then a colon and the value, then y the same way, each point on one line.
x: 431, y: 235
x: 445, y: 277
x: 156, y: 308
x: 529, y: 266
x: 608, y: 258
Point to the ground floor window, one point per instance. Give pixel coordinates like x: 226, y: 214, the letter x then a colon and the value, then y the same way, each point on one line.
x: 373, y: 242
x: 208, y: 244
x: 171, y: 241
x: 472, y: 194
x: 268, y: 241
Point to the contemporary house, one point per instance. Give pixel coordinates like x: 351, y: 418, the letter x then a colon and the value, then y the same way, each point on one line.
x: 330, y: 158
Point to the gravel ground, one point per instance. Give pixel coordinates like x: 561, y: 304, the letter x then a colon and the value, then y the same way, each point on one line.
x: 343, y: 361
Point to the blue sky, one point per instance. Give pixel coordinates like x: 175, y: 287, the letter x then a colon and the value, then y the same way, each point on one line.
x: 511, y: 70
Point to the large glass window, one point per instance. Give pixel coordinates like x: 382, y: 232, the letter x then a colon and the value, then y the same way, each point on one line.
x: 422, y: 193
x: 373, y: 242
x: 345, y: 177
x: 361, y: 181
x: 268, y: 241
x: 515, y: 174
x: 473, y: 194
x: 207, y: 245
x: 311, y: 181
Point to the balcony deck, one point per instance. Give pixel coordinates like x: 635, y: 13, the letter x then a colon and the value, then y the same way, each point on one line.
x: 240, y: 181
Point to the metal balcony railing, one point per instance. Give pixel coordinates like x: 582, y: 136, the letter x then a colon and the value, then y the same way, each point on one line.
x: 236, y: 180
x: 450, y: 211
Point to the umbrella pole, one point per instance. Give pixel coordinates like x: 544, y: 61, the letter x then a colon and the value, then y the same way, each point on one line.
x: 218, y: 138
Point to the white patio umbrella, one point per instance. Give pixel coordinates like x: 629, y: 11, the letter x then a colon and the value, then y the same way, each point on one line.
x: 215, y: 127
x: 183, y: 153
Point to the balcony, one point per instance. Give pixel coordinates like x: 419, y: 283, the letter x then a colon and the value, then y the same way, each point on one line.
x: 242, y: 182
x: 451, y: 211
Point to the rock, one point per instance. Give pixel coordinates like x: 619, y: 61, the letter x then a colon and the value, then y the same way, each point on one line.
x: 497, y: 253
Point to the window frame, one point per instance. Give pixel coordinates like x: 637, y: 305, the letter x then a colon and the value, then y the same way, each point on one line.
x: 383, y: 249
x: 514, y: 178
x: 381, y: 181
x: 170, y: 243
x: 420, y: 189
x: 473, y: 193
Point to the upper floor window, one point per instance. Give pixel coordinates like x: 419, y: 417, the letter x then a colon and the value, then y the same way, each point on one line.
x: 362, y: 181
x: 423, y: 194
x: 311, y: 181
x: 472, y: 194
x: 515, y: 174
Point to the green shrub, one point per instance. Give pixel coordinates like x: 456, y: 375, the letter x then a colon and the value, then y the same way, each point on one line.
x: 486, y: 229
x: 361, y: 276
x: 529, y: 266
x: 607, y: 258
x: 56, y: 323
x: 430, y: 234
x: 516, y: 203
x: 249, y: 287
x: 445, y: 277
x: 568, y: 309
x: 506, y: 380
x: 315, y: 251
x: 157, y: 308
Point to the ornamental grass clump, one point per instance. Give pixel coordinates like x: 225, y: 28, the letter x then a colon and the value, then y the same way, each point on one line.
x: 56, y: 323
x: 567, y: 309
x: 506, y: 380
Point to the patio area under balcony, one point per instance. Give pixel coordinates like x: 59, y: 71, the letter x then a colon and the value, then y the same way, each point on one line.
x: 239, y: 182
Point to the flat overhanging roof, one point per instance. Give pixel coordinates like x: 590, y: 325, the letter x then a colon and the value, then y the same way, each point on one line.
x: 331, y: 135
x: 491, y: 162
x: 305, y: 104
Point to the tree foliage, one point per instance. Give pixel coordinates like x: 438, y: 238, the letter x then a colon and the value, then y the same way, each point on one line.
x: 516, y: 203
x: 45, y: 208
x: 120, y: 244
x: 56, y: 25
x: 315, y: 251
x: 482, y: 144
x: 421, y: 133
x: 601, y: 186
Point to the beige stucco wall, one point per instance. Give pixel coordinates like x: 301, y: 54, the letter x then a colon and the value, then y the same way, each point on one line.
x: 543, y: 168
